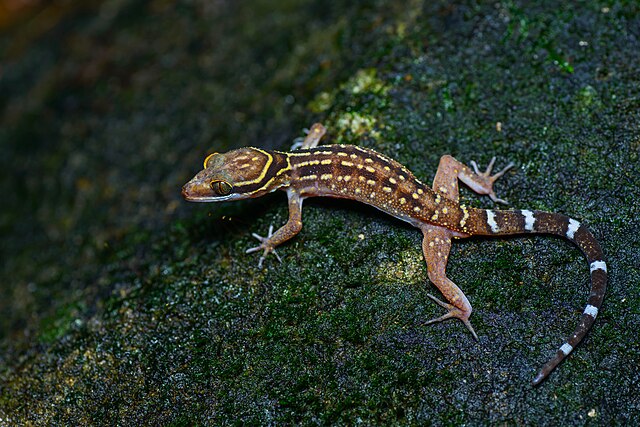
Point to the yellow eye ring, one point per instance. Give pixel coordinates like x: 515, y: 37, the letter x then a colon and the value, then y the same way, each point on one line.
x: 206, y: 160
x: 221, y: 188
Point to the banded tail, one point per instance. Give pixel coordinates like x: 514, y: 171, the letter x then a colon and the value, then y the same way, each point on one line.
x: 504, y: 222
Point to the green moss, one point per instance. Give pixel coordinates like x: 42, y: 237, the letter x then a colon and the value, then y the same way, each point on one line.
x: 62, y: 322
x: 122, y: 304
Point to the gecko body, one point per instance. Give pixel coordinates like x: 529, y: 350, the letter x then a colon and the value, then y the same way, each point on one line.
x: 361, y: 174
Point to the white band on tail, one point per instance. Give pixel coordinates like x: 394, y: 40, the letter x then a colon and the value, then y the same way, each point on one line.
x: 529, y: 220
x: 598, y: 265
x: 591, y: 310
x: 491, y: 220
x: 566, y: 349
x: 572, y: 227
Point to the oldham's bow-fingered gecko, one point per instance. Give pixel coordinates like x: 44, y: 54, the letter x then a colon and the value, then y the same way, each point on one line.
x: 351, y: 172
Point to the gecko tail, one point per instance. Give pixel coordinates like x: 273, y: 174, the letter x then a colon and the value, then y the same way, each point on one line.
x: 505, y: 222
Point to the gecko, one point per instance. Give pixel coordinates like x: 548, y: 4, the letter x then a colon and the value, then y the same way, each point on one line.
x: 363, y: 175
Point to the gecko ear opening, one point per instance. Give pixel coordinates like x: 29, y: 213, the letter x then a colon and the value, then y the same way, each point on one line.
x: 208, y: 158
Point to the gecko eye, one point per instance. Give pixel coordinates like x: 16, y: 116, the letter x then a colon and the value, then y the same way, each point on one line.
x: 209, y: 157
x: 221, y: 188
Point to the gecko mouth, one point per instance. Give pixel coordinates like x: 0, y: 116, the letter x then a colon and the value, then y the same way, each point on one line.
x: 188, y: 195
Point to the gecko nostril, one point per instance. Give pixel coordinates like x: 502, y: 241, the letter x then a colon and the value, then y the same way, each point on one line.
x: 184, y: 191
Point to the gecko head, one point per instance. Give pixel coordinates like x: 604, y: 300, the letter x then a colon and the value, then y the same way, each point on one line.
x: 235, y: 175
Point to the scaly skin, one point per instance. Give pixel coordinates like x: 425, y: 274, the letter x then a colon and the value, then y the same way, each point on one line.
x: 351, y: 172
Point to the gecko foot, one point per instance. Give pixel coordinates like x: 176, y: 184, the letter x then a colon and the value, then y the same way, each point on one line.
x: 454, y: 312
x: 265, y: 245
x: 314, y: 135
x: 489, y: 179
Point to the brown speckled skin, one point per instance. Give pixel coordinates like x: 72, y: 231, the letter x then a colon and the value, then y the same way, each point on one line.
x: 351, y: 172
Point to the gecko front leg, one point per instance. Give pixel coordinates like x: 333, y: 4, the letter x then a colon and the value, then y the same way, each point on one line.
x: 312, y: 139
x: 284, y: 233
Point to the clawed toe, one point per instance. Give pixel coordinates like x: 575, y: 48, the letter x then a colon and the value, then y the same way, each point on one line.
x: 490, y: 179
x: 265, y: 246
x: 453, y: 313
x: 487, y: 172
x: 496, y: 199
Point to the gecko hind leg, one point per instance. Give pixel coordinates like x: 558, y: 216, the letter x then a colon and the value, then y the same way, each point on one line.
x: 490, y: 179
x: 435, y: 247
x: 451, y: 170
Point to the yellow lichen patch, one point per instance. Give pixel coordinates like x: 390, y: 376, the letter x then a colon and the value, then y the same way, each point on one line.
x: 406, y: 269
x: 364, y: 81
x: 357, y: 124
x: 322, y: 102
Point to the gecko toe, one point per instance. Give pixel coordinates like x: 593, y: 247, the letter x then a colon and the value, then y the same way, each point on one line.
x: 453, y: 313
x: 264, y: 246
x: 496, y: 199
x: 486, y: 180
